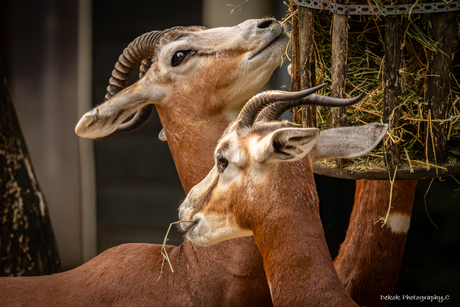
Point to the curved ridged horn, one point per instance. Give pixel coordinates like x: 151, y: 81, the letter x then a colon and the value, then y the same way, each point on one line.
x: 275, y: 110
x: 257, y: 103
x: 140, y: 49
x: 145, y: 65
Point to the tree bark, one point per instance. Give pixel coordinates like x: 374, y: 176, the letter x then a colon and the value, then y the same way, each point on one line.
x: 27, y: 243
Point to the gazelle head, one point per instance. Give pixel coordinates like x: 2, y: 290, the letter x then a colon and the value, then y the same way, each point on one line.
x: 252, y: 154
x: 219, y: 65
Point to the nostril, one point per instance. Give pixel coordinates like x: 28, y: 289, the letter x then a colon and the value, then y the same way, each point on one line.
x: 264, y: 23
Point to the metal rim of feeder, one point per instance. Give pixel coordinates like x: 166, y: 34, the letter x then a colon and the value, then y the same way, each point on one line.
x: 304, y: 76
x: 384, y: 10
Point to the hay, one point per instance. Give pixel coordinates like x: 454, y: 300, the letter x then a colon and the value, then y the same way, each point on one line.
x: 365, y: 72
x: 235, y: 7
x: 163, y: 251
x: 426, y: 207
x: 384, y: 219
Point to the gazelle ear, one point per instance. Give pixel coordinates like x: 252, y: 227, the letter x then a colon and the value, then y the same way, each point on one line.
x: 105, y: 119
x: 284, y: 145
x: 348, y: 142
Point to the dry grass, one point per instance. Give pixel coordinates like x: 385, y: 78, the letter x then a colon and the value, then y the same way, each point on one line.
x: 163, y: 251
x: 365, y: 70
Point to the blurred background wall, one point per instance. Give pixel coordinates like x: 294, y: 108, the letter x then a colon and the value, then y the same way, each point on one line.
x: 58, y: 56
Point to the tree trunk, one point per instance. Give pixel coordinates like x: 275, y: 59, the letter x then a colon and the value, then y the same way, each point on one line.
x: 27, y: 244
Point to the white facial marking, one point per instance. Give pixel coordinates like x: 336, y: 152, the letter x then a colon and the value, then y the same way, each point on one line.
x: 212, y: 229
x: 232, y: 153
x: 399, y: 223
x: 254, y: 146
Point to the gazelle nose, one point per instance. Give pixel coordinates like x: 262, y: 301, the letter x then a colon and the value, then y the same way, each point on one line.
x: 265, y: 23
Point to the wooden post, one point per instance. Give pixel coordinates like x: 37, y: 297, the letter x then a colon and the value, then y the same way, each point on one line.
x: 437, y: 84
x: 307, y: 60
x: 27, y: 244
x: 295, y: 65
x: 339, y: 65
x: 339, y: 69
x: 392, y: 82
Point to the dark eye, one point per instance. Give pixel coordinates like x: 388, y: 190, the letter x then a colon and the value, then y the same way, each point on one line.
x: 222, y: 164
x: 179, y: 57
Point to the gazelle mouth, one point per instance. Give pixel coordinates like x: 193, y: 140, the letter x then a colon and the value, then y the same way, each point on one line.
x: 275, y: 39
x: 187, y: 226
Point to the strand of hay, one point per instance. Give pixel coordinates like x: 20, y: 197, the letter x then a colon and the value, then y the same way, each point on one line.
x: 458, y: 189
x: 235, y: 7
x: 384, y: 219
x: 426, y: 207
x: 163, y: 251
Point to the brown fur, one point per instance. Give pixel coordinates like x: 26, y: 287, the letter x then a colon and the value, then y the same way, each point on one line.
x: 127, y: 275
x: 370, y: 258
x: 293, y: 246
x: 184, y: 121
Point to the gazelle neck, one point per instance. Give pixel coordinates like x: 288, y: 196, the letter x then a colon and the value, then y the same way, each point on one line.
x: 191, y: 149
x: 291, y: 240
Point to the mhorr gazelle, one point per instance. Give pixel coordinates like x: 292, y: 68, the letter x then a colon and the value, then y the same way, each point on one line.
x: 262, y: 185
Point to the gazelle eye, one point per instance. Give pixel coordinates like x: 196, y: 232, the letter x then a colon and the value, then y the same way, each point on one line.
x: 222, y: 164
x: 179, y: 57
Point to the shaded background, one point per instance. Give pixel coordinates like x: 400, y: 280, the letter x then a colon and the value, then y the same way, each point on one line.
x: 58, y: 56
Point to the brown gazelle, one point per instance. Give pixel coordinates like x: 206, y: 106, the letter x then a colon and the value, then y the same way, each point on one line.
x: 227, y: 274
x: 261, y: 185
x: 196, y: 77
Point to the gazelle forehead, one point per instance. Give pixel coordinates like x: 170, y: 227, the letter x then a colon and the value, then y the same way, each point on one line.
x: 230, y: 148
x: 182, y: 33
x: 210, y: 40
